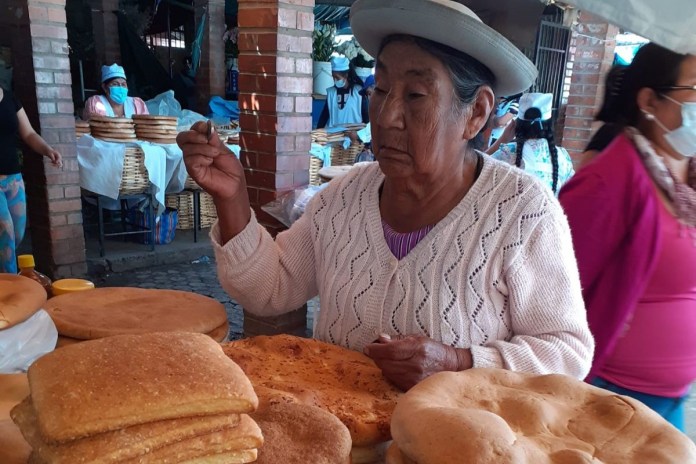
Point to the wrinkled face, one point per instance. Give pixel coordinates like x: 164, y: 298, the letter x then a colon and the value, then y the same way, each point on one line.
x: 416, y: 128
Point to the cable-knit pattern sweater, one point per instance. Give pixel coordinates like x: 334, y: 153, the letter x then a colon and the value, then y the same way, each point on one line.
x: 496, y: 275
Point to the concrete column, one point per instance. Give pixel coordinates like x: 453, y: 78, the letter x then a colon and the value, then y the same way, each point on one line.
x: 275, y: 83
x: 592, y: 54
x: 210, y: 78
x: 42, y: 82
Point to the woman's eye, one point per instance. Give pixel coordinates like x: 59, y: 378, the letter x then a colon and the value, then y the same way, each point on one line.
x: 379, y: 91
x: 415, y: 95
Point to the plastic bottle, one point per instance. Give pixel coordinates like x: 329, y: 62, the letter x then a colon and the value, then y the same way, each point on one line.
x: 26, y: 269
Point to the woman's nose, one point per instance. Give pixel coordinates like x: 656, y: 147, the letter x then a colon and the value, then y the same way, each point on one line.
x: 390, y: 112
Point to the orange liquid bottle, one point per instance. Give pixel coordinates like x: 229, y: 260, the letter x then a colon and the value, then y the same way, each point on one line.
x: 26, y: 269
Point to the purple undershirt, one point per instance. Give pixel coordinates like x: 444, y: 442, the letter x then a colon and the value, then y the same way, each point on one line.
x: 401, y: 244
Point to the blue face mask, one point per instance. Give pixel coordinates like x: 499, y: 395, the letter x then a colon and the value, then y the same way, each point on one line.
x: 118, y: 94
x: 340, y: 83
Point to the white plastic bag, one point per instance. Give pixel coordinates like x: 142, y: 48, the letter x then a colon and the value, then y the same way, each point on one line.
x: 291, y: 205
x: 26, y: 342
x: 164, y: 104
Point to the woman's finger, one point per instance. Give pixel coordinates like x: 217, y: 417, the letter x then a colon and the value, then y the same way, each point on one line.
x: 205, y: 150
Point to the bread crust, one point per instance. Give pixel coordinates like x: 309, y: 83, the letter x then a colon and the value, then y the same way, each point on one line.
x: 501, y: 417
x: 115, y: 382
x: 20, y: 298
x: 348, y: 384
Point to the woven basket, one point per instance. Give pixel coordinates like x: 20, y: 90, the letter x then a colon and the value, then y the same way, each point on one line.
x: 191, y: 184
x: 315, y: 165
x: 183, y: 202
x: 345, y: 156
x: 134, y: 179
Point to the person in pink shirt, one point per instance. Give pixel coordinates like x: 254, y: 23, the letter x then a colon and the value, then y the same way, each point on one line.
x: 632, y: 213
x: 115, y: 103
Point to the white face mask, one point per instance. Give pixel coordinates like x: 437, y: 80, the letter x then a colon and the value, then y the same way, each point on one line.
x: 683, y: 138
x: 340, y: 83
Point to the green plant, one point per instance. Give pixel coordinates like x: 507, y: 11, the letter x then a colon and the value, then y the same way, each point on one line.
x: 323, y: 41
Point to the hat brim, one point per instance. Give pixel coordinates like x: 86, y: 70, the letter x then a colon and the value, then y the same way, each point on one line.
x: 438, y: 20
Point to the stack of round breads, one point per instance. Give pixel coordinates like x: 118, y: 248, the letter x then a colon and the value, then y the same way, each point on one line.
x: 495, y: 416
x: 104, y: 312
x: 81, y: 128
x: 20, y: 298
x: 112, y: 129
x: 13, y: 448
x: 343, y: 382
x: 156, y: 129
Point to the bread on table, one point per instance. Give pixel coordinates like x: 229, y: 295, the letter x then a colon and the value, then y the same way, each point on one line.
x: 14, y: 449
x: 20, y: 298
x: 497, y: 416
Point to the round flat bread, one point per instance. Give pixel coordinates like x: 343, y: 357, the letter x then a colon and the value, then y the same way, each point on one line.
x: 155, y: 122
x: 104, y: 312
x: 20, y: 298
x: 301, y: 434
x: 114, y: 134
x: 110, y: 120
x: 503, y: 417
x: 346, y: 383
x: 160, y: 141
x: 154, y: 117
x: 111, y: 124
x: 157, y: 134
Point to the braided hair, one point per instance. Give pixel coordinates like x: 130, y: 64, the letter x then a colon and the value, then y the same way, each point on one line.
x: 531, y: 127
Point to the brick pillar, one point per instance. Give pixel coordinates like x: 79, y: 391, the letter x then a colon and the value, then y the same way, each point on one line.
x: 42, y: 83
x: 105, y: 29
x: 275, y: 83
x: 592, y: 54
x: 210, y: 78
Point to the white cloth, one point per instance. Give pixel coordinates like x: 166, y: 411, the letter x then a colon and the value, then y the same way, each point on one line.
x: 497, y: 274
x: 670, y: 24
x: 365, y: 134
x: 128, y: 107
x: 351, y: 113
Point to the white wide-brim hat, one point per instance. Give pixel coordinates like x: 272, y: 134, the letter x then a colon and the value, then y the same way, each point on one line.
x: 541, y: 101
x: 448, y: 23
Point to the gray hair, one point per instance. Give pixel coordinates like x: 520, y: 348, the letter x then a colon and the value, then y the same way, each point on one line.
x: 467, y: 73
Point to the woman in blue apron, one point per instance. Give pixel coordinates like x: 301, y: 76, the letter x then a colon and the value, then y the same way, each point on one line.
x: 115, y: 103
x: 345, y: 103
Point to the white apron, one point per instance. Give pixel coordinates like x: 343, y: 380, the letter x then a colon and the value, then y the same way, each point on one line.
x: 351, y: 112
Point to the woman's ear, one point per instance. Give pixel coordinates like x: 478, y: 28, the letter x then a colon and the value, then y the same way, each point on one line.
x: 479, y: 112
x: 646, y: 100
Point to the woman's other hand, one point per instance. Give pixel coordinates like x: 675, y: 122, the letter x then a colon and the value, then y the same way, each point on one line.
x: 211, y: 164
x: 406, y: 360
x: 54, y: 156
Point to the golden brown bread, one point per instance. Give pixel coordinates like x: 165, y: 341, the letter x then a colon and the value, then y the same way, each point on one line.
x: 118, y: 445
x: 348, y: 384
x: 104, y: 312
x: 114, y: 382
x: 230, y: 457
x: 20, y: 298
x: 395, y: 456
x: 219, y: 335
x: 301, y: 434
x: 13, y: 447
x: 498, y: 416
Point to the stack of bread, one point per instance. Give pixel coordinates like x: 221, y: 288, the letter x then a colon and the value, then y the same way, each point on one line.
x: 13, y: 447
x: 495, y: 416
x: 155, y: 398
x: 156, y: 129
x: 346, y: 383
x: 322, y: 136
x: 81, y: 128
x: 112, y: 129
x: 104, y: 312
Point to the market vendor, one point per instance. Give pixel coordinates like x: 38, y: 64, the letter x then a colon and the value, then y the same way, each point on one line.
x: 435, y: 258
x: 345, y: 103
x: 115, y: 102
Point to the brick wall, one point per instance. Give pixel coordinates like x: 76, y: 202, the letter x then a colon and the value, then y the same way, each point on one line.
x: 275, y: 82
x: 591, y: 53
x: 43, y: 84
x: 211, y: 74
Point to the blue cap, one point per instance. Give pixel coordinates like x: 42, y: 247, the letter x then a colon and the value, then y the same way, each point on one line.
x: 339, y: 64
x: 369, y: 82
x: 110, y: 72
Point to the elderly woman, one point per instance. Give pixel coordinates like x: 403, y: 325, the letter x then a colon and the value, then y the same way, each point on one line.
x: 632, y: 211
x: 436, y: 257
x: 115, y: 103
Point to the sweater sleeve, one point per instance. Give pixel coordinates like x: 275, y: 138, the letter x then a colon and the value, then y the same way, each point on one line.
x: 551, y: 334
x: 267, y: 277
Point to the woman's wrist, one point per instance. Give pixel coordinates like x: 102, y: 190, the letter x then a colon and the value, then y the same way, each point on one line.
x: 233, y: 214
x: 464, y: 359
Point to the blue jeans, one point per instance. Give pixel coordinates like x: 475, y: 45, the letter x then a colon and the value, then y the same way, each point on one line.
x: 13, y: 220
x: 671, y: 409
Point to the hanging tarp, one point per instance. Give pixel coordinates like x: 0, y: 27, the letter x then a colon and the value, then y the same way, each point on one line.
x: 670, y: 24
x: 146, y: 76
x: 330, y: 13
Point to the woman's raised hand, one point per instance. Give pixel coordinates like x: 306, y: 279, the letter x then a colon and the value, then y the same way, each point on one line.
x: 211, y: 164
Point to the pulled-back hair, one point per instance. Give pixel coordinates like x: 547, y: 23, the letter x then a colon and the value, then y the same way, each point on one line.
x: 532, y: 127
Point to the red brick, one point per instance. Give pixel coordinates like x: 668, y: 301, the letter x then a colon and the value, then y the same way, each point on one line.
x: 57, y: 15
x: 72, y: 191
x: 255, y: 102
x: 576, y: 134
x: 62, y: 78
x: 75, y: 218
x: 66, y: 232
x: 301, y: 85
x: 51, y: 32
x: 267, y: 196
x: 252, y: 63
x: 66, y: 107
x: 266, y: 161
x: 285, y: 104
x: 581, y: 101
x: 57, y: 220
x: 294, y: 44
x: 261, y: 179
x: 285, y: 65
x: 578, y: 123
x: 37, y: 13
x: 576, y: 145
x: 285, y: 143
x: 293, y: 163
x: 47, y: 108
x: 303, y: 104
x: 287, y: 18
x: 248, y: 122
x: 253, y: 83
x: 581, y: 111
x: 63, y: 178
x: 303, y: 142
x: 55, y: 193
x: 293, y: 124
x: 269, y: 123
x: 305, y: 21
x: 68, y: 252
x: 303, y: 66
x: 63, y: 206
x: 255, y: 42
x: 261, y: 143
x: 583, y: 90
x: 258, y: 17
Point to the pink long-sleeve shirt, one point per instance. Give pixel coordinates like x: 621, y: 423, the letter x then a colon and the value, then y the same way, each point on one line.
x: 97, y: 106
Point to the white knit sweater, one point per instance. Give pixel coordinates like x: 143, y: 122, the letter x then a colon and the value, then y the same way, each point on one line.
x: 497, y: 274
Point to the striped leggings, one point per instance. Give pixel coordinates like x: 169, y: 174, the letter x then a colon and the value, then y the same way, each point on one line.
x: 13, y: 220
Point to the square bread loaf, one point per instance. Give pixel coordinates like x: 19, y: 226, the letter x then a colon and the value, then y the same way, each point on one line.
x: 115, y: 382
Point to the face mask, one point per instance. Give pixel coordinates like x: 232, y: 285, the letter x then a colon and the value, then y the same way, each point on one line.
x: 340, y: 83
x: 118, y: 94
x: 683, y: 138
